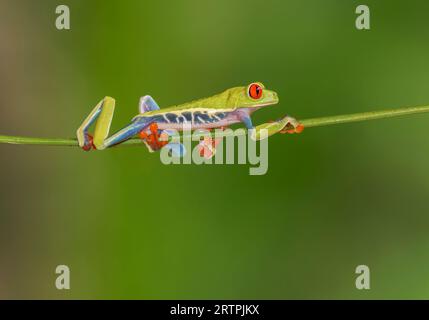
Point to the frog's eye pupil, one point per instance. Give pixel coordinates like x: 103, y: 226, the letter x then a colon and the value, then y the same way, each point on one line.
x: 255, y: 91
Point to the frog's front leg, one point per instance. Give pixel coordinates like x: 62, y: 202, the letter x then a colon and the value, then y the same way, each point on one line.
x: 244, y: 117
x: 285, y: 125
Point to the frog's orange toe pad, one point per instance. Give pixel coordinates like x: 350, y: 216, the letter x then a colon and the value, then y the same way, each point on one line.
x: 90, y: 145
x: 143, y: 135
x: 154, y: 128
x: 299, y: 128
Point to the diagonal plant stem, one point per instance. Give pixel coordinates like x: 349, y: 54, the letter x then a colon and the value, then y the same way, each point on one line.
x: 308, y: 123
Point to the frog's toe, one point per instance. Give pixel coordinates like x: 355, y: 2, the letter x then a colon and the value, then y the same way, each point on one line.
x: 154, y: 128
x: 207, y: 147
x: 89, y: 143
x: 291, y: 128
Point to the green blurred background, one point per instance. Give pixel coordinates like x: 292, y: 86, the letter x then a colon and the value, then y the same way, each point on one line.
x: 130, y: 227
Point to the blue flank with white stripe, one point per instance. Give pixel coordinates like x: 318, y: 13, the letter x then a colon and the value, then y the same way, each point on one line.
x: 193, y: 118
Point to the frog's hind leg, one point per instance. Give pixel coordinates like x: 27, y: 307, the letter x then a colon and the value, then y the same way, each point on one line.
x: 147, y: 103
x: 102, y: 116
x: 127, y: 132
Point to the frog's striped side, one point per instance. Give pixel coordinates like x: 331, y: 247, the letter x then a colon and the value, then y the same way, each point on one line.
x: 197, y: 118
x: 212, y: 112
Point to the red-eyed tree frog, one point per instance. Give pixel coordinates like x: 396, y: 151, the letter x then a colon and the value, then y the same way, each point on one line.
x: 219, y: 111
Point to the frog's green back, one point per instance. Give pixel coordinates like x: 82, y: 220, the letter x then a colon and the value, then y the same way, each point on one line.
x: 229, y: 100
x: 221, y: 101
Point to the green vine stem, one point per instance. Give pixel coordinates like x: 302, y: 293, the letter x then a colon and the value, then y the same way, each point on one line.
x: 308, y: 123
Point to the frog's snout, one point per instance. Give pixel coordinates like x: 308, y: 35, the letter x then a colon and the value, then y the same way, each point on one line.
x: 275, y: 97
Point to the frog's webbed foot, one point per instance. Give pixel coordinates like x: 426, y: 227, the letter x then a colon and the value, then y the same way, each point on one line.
x: 292, y: 125
x: 153, y: 138
x: 284, y: 125
x: 207, y: 145
x: 88, y: 143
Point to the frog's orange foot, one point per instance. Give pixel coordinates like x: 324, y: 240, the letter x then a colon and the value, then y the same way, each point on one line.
x: 299, y: 128
x: 207, y: 147
x: 154, y: 128
x: 152, y: 137
x: 89, y: 144
x: 289, y: 128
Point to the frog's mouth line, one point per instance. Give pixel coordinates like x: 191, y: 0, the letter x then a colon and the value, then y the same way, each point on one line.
x: 266, y: 104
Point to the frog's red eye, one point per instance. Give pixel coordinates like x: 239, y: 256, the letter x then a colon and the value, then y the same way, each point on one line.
x: 255, y: 91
